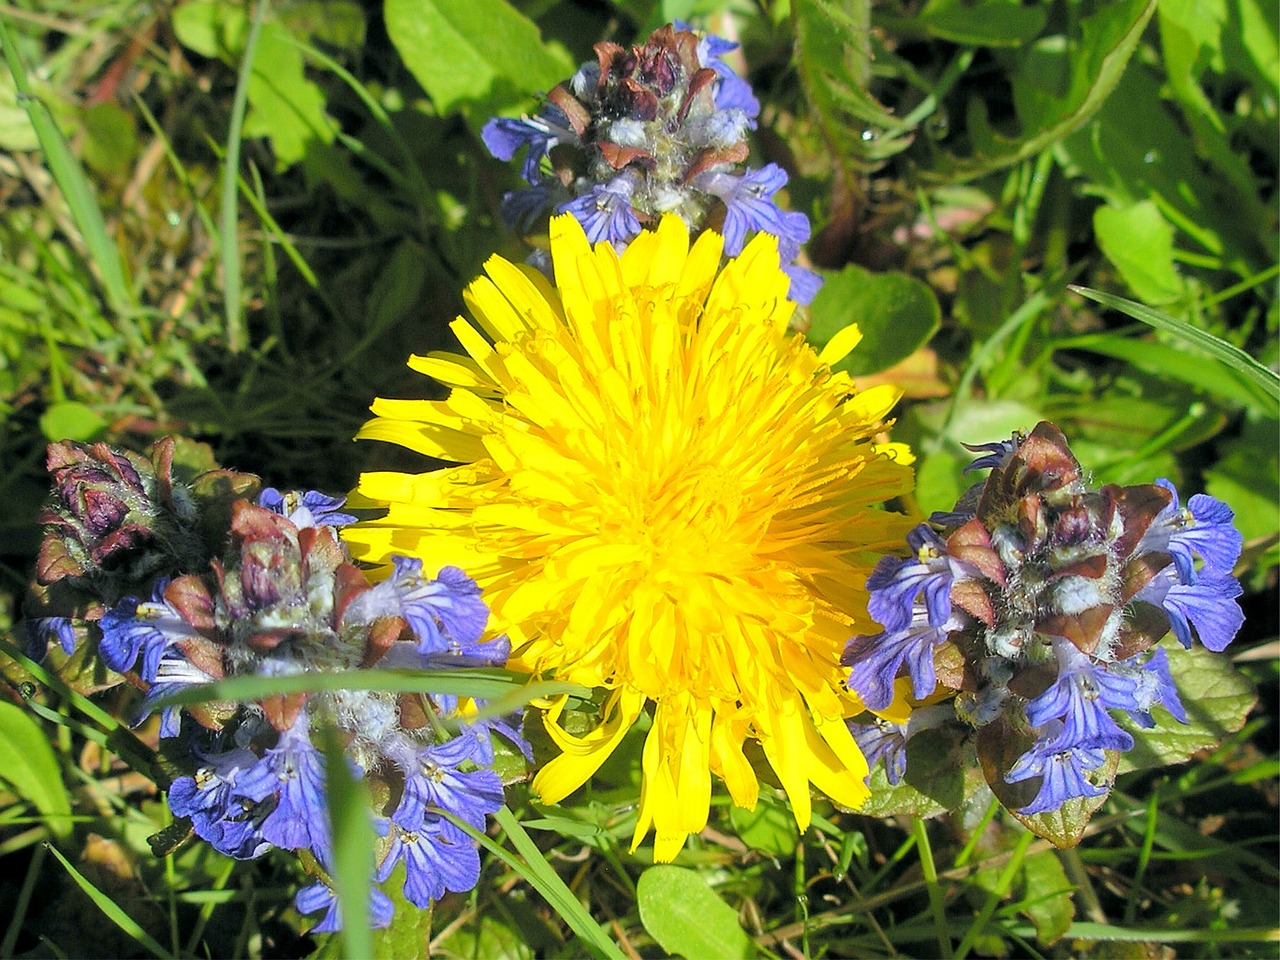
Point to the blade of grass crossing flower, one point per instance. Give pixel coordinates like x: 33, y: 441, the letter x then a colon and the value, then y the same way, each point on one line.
x: 937, y: 905
x: 112, y: 910
x: 75, y: 188
x: 534, y: 868
x: 349, y: 807
x: 229, y: 235
x: 1227, y: 353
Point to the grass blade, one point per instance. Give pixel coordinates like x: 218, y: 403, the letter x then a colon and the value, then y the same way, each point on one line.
x: 1227, y: 353
x: 228, y: 233
x: 75, y: 188
x: 349, y: 813
x: 113, y: 912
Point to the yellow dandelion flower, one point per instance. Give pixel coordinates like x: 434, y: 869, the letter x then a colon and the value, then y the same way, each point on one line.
x: 663, y: 493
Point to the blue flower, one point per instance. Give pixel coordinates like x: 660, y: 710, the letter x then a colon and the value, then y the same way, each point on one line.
x: 433, y: 781
x: 1063, y: 771
x: 173, y: 673
x: 605, y: 212
x: 136, y: 626
x: 733, y: 93
x: 319, y: 896
x: 504, y: 136
x: 996, y: 454
x: 895, y: 583
x: 1203, y: 528
x: 445, y: 614
x: 217, y: 813
x: 883, y: 739
x: 308, y: 508
x: 438, y: 858
x: 1080, y: 698
x: 1154, y: 684
x: 43, y: 630
x: 1208, y: 606
x: 805, y: 284
x: 291, y: 773
x: 520, y: 208
x: 875, y: 661
x: 748, y: 207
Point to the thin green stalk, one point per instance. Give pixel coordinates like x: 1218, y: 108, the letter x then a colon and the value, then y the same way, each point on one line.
x: 1144, y: 856
x: 24, y: 901
x: 228, y: 234
x: 111, y: 909
x: 937, y: 902
x: 1003, y: 883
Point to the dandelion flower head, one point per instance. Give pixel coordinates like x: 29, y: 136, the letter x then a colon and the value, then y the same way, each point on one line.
x: 663, y: 493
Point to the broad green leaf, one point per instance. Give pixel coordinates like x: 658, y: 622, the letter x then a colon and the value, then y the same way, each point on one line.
x: 1092, y: 64
x: 770, y: 828
x: 71, y: 420
x: 1136, y: 149
x: 1225, y: 352
x: 990, y: 23
x: 940, y: 776
x: 686, y: 917
x: 29, y: 767
x: 409, y: 933
x: 1247, y: 482
x: 897, y: 314
x: 285, y: 106
x: 1216, y: 697
x: 1047, y: 896
x: 482, y: 54
x: 1139, y: 243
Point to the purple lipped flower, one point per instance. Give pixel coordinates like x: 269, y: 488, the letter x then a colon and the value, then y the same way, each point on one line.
x: 433, y: 780
x: 41, y: 631
x: 211, y: 800
x: 1208, y: 607
x: 308, y: 508
x: 319, y: 896
x: 896, y: 583
x: 136, y: 626
x: 174, y: 672
x: 605, y: 212
x: 994, y: 454
x: 875, y: 660
x: 1063, y: 771
x: 504, y: 136
x: 445, y: 614
x: 749, y: 207
x: 291, y: 772
x: 1154, y: 684
x: 1204, y: 527
x: 805, y: 284
x: 733, y: 92
x: 883, y: 740
x: 1080, y: 698
x: 520, y: 208
x: 438, y: 859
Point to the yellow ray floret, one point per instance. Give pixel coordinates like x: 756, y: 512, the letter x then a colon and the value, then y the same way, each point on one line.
x: 664, y: 493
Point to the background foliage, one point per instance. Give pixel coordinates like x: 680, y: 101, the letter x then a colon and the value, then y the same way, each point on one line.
x: 964, y: 162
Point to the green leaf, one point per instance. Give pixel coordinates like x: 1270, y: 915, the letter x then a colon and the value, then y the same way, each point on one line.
x: 1048, y: 896
x: 71, y: 420
x: 1139, y: 243
x: 940, y: 776
x: 1248, y: 482
x: 833, y: 58
x: 1227, y: 353
x: 1216, y: 697
x: 1091, y: 64
x: 481, y: 54
x: 686, y: 917
x: 989, y: 23
x: 30, y: 768
x: 770, y: 828
x: 897, y: 315
x: 1065, y: 826
x: 410, y: 929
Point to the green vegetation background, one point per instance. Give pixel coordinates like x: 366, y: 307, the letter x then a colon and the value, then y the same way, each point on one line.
x: 964, y: 163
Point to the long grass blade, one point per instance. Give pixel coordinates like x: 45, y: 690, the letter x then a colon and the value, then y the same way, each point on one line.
x: 1228, y: 353
x: 349, y: 813
x: 112, y: 910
